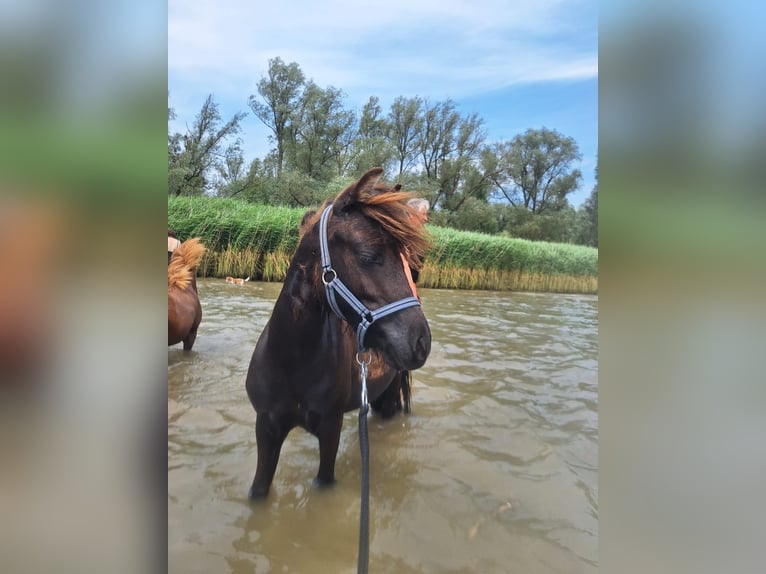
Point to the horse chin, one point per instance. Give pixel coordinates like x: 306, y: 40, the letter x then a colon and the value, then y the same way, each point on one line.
x: 404, y: 355
x: 400, y: 363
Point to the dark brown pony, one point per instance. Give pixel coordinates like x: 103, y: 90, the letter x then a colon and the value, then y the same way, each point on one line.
x: 303, y: 370
x: 184, y: 309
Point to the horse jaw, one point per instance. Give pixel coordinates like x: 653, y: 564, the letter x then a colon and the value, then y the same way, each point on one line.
x: 404, y: 339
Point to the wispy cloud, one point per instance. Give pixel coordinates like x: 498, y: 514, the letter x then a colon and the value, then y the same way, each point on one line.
x: 435, y: 48
x: 479, y: 50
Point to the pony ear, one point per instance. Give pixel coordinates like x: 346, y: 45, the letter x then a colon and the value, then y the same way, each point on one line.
x: 353, y: 192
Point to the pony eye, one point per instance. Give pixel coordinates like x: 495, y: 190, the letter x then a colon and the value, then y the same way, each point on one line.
x: 371, y: 259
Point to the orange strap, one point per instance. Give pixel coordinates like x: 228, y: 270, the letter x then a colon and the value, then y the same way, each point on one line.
x: 409, y: 277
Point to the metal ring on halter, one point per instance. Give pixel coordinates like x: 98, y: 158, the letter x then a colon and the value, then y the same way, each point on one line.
x: 363, y: 361
x: 334, y: 276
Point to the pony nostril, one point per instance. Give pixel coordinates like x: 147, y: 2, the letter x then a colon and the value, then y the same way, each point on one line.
x: 420, y: 347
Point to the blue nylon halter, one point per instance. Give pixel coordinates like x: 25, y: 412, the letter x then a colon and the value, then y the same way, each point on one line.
x: 335, y: 286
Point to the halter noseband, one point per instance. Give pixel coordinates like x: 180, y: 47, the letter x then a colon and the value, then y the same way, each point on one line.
x: 335, y: 286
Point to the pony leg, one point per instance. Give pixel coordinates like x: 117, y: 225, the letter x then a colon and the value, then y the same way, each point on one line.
x: 395, y: 398
x: 389, y: 402
x: 189, y: 340
x: 328, y: 432
x: 269, y: 435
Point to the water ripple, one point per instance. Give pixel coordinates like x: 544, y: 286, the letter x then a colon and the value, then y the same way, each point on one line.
x: 495, y: 470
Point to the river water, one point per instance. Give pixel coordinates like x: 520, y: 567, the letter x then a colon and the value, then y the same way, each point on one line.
x: 494, y: 471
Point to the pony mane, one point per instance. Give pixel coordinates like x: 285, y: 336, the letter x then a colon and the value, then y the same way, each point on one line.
x: 185, y: 259
x: 388, y: 207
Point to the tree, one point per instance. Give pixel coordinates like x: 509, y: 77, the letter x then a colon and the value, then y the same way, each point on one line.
x: 194, y: 156
x: 534, y: 170
x: 588, y: 234
x: 372, y: 124
x: 174, y: 141
x: 371, y: 147
x: 518, y: 186
x: 474, y: 215
x: 460, y: 175
x: 321, y: 134
x: 437, y: 138
x: 231, y: 171
x: 404, y: 126
x: 281, y: 90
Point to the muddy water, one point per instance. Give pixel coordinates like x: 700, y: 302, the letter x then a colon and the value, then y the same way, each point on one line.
x: 494, y: 471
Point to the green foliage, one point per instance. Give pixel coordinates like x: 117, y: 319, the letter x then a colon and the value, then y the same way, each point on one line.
x: 230, y: 223
x: 195, y: 157
x: 534, y: 170
x: 588, y: 228
x: 557, y: 227
x: 518, y: 188
x: 322, y: 133
x: 258, y: 240
x: 474, y: 215
x: 404, y: 125
x: 281, y: 92
x: 476, y: 250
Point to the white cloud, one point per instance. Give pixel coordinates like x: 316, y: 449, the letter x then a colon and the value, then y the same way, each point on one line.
x: 436, y: 47
x: 432, y: 48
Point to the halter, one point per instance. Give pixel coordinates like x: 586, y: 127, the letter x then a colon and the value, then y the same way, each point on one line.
x: 333, y: 285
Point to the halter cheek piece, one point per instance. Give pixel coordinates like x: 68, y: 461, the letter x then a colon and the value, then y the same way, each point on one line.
x: 334, y: 286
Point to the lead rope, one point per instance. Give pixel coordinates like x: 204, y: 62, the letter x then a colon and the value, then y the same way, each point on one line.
x: 364, y: 513
x: 333, y: 285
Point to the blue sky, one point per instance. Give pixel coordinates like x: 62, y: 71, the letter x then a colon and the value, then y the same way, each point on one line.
x: 515, y: 63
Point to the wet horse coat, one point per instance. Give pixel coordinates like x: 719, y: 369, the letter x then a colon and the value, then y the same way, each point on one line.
x: 303, y: 370
x: 184, y: 308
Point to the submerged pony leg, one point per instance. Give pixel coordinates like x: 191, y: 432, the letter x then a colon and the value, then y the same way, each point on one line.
x: 189, y: 340
x: 327, y: 430
x: 192, y: 336
x: 395, y: 398
x: 389, y: 402
x: 269, y: 435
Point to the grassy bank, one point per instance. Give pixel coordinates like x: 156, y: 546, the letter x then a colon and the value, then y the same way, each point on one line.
x: 258, y: 241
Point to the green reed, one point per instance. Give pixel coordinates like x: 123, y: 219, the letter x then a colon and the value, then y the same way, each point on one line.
x: 257, y: 241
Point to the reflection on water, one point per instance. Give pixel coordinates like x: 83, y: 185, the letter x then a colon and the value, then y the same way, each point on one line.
x: 494, y: 471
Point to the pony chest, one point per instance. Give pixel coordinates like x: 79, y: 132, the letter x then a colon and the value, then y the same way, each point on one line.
x: 301, y: 385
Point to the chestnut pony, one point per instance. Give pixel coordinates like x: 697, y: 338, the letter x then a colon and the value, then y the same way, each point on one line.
x: 303, y: 371
x: 184, y: 309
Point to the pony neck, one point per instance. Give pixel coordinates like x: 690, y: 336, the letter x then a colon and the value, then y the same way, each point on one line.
x: 300, y: 316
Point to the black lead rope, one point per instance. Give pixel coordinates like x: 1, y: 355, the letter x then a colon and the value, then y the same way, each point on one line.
x: 364, y: 513
x: 364, y: 447
x: 334, y: 286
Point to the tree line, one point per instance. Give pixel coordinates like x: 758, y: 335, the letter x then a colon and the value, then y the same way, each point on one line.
x: 517, y: 188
